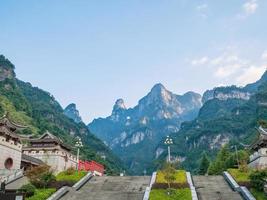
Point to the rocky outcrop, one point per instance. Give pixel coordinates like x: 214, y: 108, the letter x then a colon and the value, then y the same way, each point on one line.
x: 71, y: 112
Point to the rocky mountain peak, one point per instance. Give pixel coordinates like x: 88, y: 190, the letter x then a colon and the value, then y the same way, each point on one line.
x: 72, y: 112
x: 158, y: 94
x: 119, y: 105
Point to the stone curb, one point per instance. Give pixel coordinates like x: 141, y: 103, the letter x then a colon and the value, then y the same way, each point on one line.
x: 192, y: 187
x: 148, y: 189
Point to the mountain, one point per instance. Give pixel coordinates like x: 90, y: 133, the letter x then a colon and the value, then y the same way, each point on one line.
x: 39, y: 111
x: 133, y: 133
x: 71, y: 112
x: 229, y: 115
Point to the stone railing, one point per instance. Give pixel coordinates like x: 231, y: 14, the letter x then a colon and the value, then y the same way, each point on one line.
x: 12, y: 176
x: 64, y: 190
x: 231, y: 181
x: 246, y: 193
x: 148, y: 189
x: 60, y: 193
x: 191, y: 185
x: 84, y: 180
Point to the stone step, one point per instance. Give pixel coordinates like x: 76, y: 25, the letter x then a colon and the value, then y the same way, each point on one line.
x: 111, y: 188
x: 214, y: 188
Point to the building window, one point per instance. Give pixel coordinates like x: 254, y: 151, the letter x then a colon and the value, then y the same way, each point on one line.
x: 9, y: 163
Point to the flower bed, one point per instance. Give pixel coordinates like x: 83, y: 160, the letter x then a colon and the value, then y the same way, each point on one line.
x: 72, y: 177
x: 179, y: 182
x: 161, y: 194
x: 242, y: 178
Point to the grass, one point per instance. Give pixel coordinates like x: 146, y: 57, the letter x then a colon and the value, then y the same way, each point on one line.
x: 239, y: 176
x: 42, y: 194
x: 258, y: 195
x: 160, y: 194
x: 180, y: 177
x: 74, y: 177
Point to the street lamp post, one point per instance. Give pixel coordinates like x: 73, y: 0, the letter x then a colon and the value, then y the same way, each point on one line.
x: 79, y: 145
x: 169, y: 142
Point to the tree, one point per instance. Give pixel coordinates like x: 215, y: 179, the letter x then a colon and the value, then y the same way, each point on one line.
x: 169, y: 174
x: 220, y: 164
x: 204, y: 164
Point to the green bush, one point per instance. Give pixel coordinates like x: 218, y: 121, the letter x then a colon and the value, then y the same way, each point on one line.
x: 42, y: 194
x: 160, y: 194
x: 258, y: 195
x: 29, y: 189
x: 258, y: 179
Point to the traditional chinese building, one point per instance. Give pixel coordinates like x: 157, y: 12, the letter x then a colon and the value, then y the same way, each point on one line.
x: 258, y: 160
x: 10, y: 145
x: 51, y: 151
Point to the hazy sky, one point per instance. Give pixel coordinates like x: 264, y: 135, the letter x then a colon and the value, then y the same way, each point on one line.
x: 93, y: 52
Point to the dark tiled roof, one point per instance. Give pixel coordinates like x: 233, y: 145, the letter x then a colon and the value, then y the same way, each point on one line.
x: 32, y: 160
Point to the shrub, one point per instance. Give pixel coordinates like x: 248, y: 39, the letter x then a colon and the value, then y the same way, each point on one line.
x: 258, y: 179
x: 42, y: 194
x: 29, y: 189
x: 40, y: 176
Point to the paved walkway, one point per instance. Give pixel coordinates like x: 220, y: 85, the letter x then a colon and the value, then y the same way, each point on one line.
x: 214, y: 188
x: 17, y: 183
x: 111, y: 188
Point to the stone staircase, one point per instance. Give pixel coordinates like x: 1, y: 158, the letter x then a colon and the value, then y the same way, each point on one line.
x: 111, y: 188
x: 214, y: 188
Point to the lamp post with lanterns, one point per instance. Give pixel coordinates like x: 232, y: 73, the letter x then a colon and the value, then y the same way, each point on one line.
x: 78, y: 145
x: 169, y: 142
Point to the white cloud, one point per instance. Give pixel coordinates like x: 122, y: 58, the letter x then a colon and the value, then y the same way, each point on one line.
x: 264, y: 55
x: 200, y: 61
x: 227, y: 70
x: 250, y: 74
x: 229, y: 66
x: 250, y: 7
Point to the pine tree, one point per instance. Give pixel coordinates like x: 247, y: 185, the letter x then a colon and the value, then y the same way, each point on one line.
x: 204, y: 164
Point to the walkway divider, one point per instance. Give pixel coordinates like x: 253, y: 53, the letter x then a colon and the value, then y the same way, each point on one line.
x: 231, y: 181
x: 60, y: 193
x: 148, y: 189
x: 84, y: 180
x: 191, y: 185
x: 64, y: 190
x: 245, y: 193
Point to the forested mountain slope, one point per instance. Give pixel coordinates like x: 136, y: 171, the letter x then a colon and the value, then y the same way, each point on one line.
x: 230, y: 118
x: 39, y: 110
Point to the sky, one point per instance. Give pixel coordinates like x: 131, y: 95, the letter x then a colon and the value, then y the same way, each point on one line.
x: 94, y: 52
